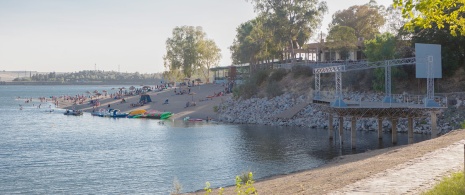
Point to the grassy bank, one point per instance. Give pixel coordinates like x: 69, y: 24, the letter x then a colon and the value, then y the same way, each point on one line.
x: 455, y: 184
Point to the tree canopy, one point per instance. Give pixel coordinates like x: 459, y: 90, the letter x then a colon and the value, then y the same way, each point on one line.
x: 293, y: 21
x: 342, y: 39
x: 254, y: 42
x: 427, y: 14
x: 189, y: 51
x: 366, y: 19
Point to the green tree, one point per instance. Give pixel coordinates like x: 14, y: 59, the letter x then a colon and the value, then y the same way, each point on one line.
x: 433, y: 13
x: 293, y: 21
x: 181, y: 49
x: 343, y: 39
x: 210, y: 56
x: 188, y: 51
x: 452, y: 47
x: 253, y: 42
x: 366, y: 19
x: 382, y: 47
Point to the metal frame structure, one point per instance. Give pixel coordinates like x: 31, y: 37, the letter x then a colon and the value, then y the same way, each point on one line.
x: 429, y: 101
x: 317, y: 96
x: 363, y: 65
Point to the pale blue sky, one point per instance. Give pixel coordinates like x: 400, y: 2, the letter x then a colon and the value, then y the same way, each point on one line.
x: 74, y: 35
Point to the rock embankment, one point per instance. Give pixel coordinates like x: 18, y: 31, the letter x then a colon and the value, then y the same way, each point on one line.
x: 262, y: 111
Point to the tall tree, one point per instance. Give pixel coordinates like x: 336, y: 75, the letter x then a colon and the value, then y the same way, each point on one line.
x: 343, y: 39
x: 245, y: 47
x: 293, y: 20
x: 254, y: 42
x: 210, y: 56
x: 394, y: 21
x: 366, y: 19
x: 188, y: 50
x: 440, y: 13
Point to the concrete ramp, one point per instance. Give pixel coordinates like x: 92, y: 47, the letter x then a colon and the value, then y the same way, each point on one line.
x: 289, y: 113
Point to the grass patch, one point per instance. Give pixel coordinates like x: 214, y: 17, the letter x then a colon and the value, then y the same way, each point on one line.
x: 455, y: 184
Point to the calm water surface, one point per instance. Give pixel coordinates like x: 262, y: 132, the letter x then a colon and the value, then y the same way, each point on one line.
x: 48, y: 153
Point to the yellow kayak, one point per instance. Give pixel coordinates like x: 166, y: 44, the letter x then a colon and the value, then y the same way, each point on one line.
x: 136, y: 112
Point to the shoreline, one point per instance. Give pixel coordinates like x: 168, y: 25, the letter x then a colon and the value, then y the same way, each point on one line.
x: 338, y: 175
x: 203, y: 109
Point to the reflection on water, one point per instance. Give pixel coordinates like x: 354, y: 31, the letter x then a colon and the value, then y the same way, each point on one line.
x: 51, y: 153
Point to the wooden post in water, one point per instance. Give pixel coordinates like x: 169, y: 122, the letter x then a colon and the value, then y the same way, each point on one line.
x: 394, y: 130
x: 410, y: 130
x: 380, y: 128
x: 434, y: 129
x: 353, y: 140
x: 331, y: 128
x: 341, y: 129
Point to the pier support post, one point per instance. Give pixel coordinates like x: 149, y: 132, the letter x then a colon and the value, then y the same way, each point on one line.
x: 380, y: 128
x: 353, y: 140
x: 410, y: 130
x: 341, y: 130
x: 434, y: 128
x: 331, y: 128
x: 394, y: 130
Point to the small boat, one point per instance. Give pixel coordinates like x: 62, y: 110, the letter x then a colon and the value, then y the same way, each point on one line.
x: 73, y: 112
x: 153, y: 114
x: 115, y: 114
x: 100, y: 113
x: 158, y: 115
x: 192, y: 119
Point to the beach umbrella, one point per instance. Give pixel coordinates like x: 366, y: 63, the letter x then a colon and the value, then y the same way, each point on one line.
x: 132, y: 88
x: 104, y: 91
x: 98, y: 94
x: 88, y: 92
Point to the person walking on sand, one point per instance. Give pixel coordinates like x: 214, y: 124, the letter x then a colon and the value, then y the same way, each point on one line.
x: 108, y: 105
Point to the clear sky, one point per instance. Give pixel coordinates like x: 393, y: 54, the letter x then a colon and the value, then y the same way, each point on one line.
x: 74, y: 35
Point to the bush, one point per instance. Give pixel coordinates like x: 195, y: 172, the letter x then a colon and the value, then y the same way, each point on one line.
x: 455, y: 184
x: 251, y: 85
x: 259, y: 77
x: 299, y: 70
x: 273, y: 89
x: 246, y: 90
x: 462, y: 124
x: 277, y: 75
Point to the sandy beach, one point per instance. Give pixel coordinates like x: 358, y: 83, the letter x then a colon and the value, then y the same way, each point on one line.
x: 177, y: 103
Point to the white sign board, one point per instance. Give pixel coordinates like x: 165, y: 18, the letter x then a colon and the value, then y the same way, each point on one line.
x: 425, y: 53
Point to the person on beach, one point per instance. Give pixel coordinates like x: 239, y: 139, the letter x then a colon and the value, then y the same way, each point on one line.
x: 108, y: 105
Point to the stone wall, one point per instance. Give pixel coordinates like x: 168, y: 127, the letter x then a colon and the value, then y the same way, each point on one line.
x: 262, y: 110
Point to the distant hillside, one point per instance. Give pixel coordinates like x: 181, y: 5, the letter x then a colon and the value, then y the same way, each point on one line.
x: 8, y: 76
x: 87, y: 77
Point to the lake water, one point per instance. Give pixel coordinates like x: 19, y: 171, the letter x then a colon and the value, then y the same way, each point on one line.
x: 49, y: 153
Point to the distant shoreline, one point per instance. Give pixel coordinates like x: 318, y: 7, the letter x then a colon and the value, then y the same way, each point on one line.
x: 77, y: 83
